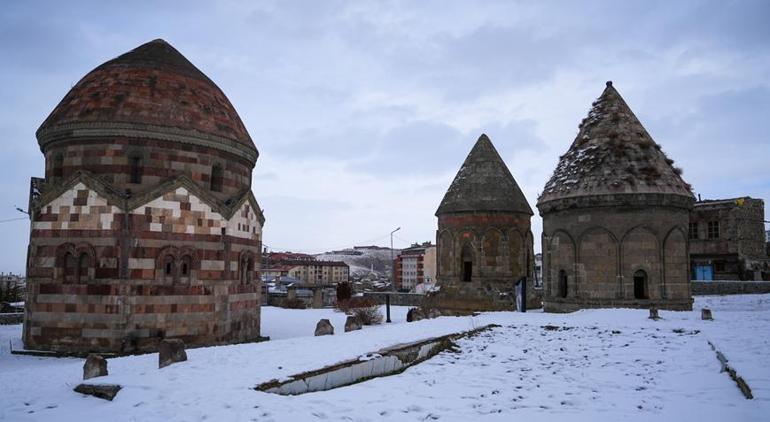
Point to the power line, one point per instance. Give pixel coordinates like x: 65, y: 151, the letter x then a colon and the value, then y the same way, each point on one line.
x: 14, y: 219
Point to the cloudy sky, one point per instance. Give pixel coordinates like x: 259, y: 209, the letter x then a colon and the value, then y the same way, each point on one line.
x: 364, y: 111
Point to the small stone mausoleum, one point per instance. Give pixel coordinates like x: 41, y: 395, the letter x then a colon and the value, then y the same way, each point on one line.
x: 615, y: 218
x: 145, y: 226
x: 484, y: 241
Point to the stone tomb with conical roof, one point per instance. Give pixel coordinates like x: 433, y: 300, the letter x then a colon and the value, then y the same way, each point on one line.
x: 615, y: 218
x: 145, y: 226
x: 484, y: 241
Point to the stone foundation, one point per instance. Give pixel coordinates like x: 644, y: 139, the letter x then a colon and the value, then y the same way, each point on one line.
x: 132, y: 316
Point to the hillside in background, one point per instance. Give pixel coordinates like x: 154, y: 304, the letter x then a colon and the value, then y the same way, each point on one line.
x: 364, y: 260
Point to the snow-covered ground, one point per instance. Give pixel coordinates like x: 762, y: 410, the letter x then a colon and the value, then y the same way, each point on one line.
x: 600, y: 365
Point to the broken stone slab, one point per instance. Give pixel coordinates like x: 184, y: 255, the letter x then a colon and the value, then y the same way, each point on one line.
x: 102, y: 391
x: 414, y: 314
x: 705, y: 314
x: 171, y: 351
x: 324, y: 328
x: 654, y: 314
x: 95, y: 366
x: 352, y: 324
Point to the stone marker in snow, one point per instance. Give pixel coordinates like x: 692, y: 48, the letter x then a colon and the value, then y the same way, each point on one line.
x: 95, y: 366
x: 654, y: 314
x: 171, y: 351
x: 102, y: 391
x: 414, y: 314
x: 324, y: 328
x: 351, y: 324
x: 705, y: 314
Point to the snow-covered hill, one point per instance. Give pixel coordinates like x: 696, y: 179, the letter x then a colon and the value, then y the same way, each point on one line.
x: 363, y: 260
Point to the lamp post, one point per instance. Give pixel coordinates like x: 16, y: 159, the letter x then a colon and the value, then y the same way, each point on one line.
x: 392, y: 277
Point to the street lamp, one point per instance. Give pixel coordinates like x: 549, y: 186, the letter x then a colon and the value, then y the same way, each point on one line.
x: 392, y: 277
x: 393, y: 264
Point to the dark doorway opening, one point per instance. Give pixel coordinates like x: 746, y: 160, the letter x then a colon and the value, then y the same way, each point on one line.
x: 640, y: 285
x: 562, y: 290
x: 467, y: 270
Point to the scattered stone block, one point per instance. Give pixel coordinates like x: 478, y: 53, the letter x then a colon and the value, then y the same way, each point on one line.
x: 95, y: 366
x: 352, y: 324
x: 171, y: 351
x: 434, y: 313
x: 654, y: 314
x: 102, y: 391
x: 324, y: 328
x: 415, y: 314
x: 705, y: 314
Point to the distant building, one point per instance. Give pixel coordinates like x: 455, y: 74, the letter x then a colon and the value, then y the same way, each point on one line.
x: 728, y: 240
x: 304, y: 268
x: 415, y: 265
x: 538, y: 271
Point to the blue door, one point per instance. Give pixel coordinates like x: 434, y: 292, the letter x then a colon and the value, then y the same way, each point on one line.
x: 704, y: 272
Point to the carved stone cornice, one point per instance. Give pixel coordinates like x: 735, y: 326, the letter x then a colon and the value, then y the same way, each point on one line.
x: 50, y: 136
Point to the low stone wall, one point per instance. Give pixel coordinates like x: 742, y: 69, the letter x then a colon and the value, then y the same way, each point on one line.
x: 14, y: 318
x: 701, y: 288
x: 397, y: 299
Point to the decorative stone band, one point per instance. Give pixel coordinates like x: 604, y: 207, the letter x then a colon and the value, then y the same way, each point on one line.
x: 65, y: 132
x: 618, y: 199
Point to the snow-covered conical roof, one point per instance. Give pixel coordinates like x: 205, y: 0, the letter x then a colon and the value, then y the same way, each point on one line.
x: 613, y: 154
x: 484, y: 183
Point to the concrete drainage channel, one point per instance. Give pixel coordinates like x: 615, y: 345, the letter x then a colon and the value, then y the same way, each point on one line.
x: 388, y: 361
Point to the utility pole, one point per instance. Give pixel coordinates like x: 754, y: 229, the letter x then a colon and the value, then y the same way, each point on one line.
x: 392, y: 277
x: 392, y: 264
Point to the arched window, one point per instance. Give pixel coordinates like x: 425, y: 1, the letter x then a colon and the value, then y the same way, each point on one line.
x: 216, y: 178
x: 169, y: 268
x: 562, y: 288
x: 70, y: 268
x: 640, y: 285
x: 135, y: 162
x: 58, y: 166
x: 249, y: 269
x: 467, y: 262
x: 84, y: 263
x: 185, y: 268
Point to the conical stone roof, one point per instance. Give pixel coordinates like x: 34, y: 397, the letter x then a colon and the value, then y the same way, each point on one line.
x: 484, y: 183
x: 613, y: 154
x: 152, y: 86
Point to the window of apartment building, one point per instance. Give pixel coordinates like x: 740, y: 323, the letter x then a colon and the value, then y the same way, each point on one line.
x: 713, y: 230
x: 693, y: 231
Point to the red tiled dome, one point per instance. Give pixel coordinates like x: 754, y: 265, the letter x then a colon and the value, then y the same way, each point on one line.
x: 152, y: 86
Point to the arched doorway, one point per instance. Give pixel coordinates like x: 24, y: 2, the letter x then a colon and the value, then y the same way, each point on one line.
x: 467, y: 262
x: 640, y: 285
x: 562, y: 288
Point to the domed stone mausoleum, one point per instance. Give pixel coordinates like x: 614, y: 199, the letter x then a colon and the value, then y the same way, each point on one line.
x: 615, y: 218
x: 145, y: 226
